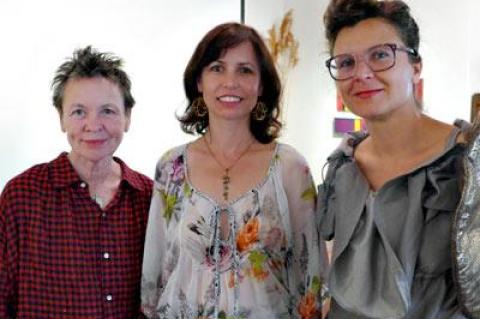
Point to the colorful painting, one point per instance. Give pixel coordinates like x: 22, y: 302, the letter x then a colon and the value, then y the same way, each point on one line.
x: 345, y: 125
x: 345, y: 121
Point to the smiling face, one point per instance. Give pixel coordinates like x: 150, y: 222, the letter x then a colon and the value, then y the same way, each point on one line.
x: 376, y: 95
x: 94, y: 118
x: 231, y: 84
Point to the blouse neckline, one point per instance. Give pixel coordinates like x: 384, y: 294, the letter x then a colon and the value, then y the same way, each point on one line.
x: 458, y: 127
x: 240, y: 196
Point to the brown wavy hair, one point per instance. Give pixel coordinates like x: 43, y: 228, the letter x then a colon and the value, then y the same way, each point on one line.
x: 213, y: 45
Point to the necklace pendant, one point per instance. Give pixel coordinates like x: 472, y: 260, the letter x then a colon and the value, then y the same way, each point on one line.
x: 226, y: 179
x: 226, y: 182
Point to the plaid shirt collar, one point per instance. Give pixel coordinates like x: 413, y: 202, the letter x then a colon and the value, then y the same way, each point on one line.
x: 63, y: 174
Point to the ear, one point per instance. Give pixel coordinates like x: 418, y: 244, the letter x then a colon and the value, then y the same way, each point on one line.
x: 128, y: 114
x: 417, y: 71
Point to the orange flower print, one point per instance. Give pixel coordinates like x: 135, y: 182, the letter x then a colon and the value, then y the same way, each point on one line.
x: 231, y: 279
x: 248, y: 235
x: 259, y: 274
x: 307, y: 308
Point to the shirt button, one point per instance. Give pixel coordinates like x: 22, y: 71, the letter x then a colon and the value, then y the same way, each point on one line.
x: 83, y: 184
x: 106, y: 255
x: 109, y: 298
x: 104, y: 215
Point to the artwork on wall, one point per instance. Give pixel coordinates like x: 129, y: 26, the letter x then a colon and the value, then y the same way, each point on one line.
x: 284, y: 49
x: 345, y: 121
x: 475, y: 106
x: 282, y: 43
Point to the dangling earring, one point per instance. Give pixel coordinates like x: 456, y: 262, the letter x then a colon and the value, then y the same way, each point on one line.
x: 199, y: 107
x: 259, y: 112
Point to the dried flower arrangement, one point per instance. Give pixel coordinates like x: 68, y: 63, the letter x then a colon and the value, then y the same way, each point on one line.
x: 283, y: 45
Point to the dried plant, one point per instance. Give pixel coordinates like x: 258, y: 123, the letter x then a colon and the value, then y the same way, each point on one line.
x: 283, y: 45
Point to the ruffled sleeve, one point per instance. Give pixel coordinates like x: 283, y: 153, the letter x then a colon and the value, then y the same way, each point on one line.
x: 440, y: 197
x: 326, y: 190
x: 160, y: 254
x: 309, y: 261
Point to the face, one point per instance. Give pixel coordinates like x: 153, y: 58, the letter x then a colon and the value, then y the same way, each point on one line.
x: 231, y: 85
x: 376, y: 95
x: 93, y: 118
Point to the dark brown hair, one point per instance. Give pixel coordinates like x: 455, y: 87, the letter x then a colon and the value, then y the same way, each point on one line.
x: 213, y: 45
x: 347, y: 13
x: 89, y: 63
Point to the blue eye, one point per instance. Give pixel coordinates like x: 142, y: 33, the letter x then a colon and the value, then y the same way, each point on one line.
x: 380, y: 54
x: 77, y: 113
x: 344, y: 62
x: 109, y: 111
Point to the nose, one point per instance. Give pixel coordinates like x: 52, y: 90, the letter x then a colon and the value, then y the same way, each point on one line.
x: 93, y: 123
x: 230, y: 80
x: 362, y: 70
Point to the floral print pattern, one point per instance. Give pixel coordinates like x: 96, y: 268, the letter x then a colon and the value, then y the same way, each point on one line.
x: 270, y: 266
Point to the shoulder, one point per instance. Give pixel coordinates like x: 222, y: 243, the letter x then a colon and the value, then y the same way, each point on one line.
x: 171, y: 162
x: 25, y: 187
x: 136, y: 179
x: 172, y: 154
x: 33, y: 177
x: 288, y: 155
x: 292, y: 163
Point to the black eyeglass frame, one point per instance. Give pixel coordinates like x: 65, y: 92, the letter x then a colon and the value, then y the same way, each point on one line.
x: 394, y: 48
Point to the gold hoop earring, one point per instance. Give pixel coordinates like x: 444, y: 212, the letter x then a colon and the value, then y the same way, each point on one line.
x: 199, y: 107
x: 259, y: 112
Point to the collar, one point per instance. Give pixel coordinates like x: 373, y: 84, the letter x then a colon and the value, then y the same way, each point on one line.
x: 352, y: 139
x: 63, y: 174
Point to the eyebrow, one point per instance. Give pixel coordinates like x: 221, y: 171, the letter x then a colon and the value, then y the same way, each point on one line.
x: 239, y: 63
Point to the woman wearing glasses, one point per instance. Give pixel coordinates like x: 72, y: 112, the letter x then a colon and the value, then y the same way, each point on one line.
x: 389, y: 195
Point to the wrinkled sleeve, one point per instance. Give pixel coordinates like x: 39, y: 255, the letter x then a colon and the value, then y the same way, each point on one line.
x: 156, y: 242
x: 309, y: 252
x: 8, y: 245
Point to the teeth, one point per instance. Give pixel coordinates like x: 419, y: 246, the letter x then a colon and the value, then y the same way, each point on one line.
x: 229, y: 98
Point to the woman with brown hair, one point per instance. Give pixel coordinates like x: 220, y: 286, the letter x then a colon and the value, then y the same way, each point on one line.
x: 230, y: 231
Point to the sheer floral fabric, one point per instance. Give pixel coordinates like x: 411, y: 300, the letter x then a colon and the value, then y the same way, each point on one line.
x: 270, y: 264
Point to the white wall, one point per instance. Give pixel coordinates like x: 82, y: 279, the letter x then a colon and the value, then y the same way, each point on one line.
x: 156, y: 38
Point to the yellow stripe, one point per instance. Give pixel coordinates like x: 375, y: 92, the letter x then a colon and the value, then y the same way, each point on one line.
x: 357, y: 125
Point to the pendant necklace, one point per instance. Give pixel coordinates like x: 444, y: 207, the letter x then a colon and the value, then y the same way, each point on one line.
x: 226, y: 177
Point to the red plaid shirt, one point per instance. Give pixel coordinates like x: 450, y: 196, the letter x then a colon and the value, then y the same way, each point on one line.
x: 62, y: 256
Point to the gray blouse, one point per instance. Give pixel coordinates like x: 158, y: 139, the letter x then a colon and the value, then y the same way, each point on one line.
x: 392, y: 251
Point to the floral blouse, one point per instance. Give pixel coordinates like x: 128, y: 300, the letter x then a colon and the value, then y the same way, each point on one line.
x: 271, y: 264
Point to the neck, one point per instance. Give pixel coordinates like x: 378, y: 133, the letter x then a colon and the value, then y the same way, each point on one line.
x: 94, y: 172
x: 397, y: 134
x: 228, y: 140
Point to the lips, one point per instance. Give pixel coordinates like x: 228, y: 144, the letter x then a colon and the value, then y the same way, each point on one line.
x: 95, y: 142
x: 229, y: 98
x: 365, y: 94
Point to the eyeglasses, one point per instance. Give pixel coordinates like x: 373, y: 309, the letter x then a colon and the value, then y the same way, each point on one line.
x: 378, y: 58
